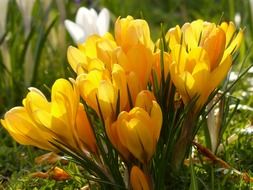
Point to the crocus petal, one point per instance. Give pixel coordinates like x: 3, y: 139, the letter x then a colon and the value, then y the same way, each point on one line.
x: 130, y: 32
x: 22, y: 128
x: 120, y: 83
x: 111, y: 131
x: 103, y: 21
x: 107, y: 98
x: 86, y: 19
x: 179, y: 55
x: 76, y: 32
x: 84, y: 130
x: 229, y: 29
x: 140, y: 61
x: 215, y: 45
x: 138, y: 179
x: 220, y: 72
x: 134, y: 134
x: 173, y: 36
x: 234, y: 45
x: 157, y: 118
x: 77, y: 60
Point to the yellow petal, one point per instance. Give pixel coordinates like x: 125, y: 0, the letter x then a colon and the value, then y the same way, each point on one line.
x: 196, y: 55
x: 120, y: 83
x: 130, y: 32
x: 229, y: 29
x: 20, y: 126
x: 190, y: 40
x: 134, y: 133
x: 140, y: 61
x: 157, y: 118
x: 173, y: 36
x: 77, y: 60
x: 35, y: 100
x: 107, y: 97
x: 88, y: 85
x: 133, y: 85
x: 179, y: 82
x: 179, y: 55
x: 215, y: 45
x: 201, y: 75
x: 111, y: 131
x: 65, y: 100
x: 89, y: 47
x: 138, y: 179
x: 105, y: 52
x: 234, y: 45
x: 84, y: 130
x: 96, y: 64
x: 220, y: 72
x: 188, y: 85
x: 144, y: 100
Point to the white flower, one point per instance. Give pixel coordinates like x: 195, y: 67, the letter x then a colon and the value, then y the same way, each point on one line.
x: 3, y: 13
x: 88, y: 22
x: 26, y: 7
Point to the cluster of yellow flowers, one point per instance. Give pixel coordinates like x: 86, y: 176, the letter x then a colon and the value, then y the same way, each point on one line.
x: 114, y: 78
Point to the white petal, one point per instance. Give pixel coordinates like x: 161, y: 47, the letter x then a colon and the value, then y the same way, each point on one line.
x: 93, y: 14
x: 75, y: 31
x: 87, y: 20
x: 80, y: 14
x: 103, y: 21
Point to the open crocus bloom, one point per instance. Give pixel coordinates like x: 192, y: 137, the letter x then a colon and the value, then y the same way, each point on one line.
x: 39, y: 121
x: 137, y: 131
x: 87, y: 23
x: 201, y: 57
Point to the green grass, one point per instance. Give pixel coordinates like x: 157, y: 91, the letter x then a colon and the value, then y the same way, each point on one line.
x: 48, y: 43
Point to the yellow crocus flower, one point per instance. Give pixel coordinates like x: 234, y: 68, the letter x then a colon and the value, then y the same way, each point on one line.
x: 146, y: 100
x: 219, y: 41
x: 192, y: 75
x: 130, y: 32
x: 138, y: 179
x: 201, y: 57
x: 96, y: 53
x: 139, y: 60
x: 138, y: 130
x: 57, y: 116
x: 24, y: 130
x: 63, y: 119
x: 103, y: 87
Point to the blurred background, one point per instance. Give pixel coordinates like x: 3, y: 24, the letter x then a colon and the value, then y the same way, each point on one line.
x: 33, y: 44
